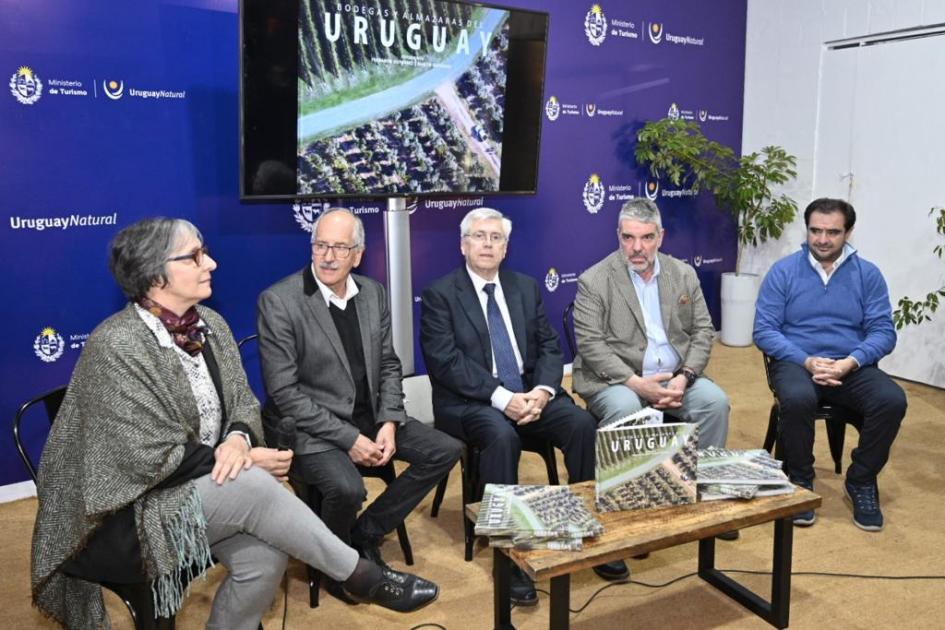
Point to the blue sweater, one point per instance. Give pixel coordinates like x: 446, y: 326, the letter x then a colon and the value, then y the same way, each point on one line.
x: 796, y: 316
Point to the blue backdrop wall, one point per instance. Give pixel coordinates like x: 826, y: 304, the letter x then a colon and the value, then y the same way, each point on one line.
x: 119, y: 110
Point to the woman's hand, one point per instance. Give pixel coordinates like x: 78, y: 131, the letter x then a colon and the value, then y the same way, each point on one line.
x: 273, y: 461
x: 232, y: 456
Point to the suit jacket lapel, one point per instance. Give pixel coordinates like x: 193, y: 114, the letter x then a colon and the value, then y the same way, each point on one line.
x: 621, y: 278
x: 318, y: 308
x: 513, y: 299
x: 667, y: 289
x: 368, y: 322
x: 466, y: 294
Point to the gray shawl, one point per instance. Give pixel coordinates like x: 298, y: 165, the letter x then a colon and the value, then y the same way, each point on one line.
x: 126, y: 416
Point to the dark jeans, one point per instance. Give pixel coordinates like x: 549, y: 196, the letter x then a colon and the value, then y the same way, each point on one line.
x: 430, y: 453
x: 567, y: 426
x: 869, y: 391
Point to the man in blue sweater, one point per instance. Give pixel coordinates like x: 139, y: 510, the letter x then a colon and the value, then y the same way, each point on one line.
x: 823, y: 316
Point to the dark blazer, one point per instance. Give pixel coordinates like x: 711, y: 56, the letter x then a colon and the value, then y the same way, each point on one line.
x: 309, y: 387
x: 455, y: 341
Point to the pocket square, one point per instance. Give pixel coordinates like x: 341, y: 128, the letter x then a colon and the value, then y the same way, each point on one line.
x: 684, y: 298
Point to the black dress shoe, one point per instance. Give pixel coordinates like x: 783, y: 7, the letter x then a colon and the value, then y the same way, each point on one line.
x: 613, y: 571
x: 522, y: 589
x: 336, y: 590
x: 732, y: 535
x: 401, y: 592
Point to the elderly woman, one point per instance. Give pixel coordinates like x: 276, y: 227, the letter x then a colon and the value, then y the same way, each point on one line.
x: 155, y: 460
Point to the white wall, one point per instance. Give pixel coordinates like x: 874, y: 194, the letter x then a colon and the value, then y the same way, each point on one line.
x: 783, y: 94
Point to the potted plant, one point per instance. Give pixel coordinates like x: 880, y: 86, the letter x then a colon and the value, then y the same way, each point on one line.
x: 915, y: 311
x: 678, y: 151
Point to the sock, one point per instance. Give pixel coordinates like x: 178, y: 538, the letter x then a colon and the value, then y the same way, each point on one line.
x: 364, y: 577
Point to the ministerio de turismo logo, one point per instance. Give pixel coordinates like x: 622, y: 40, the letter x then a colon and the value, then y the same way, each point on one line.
x: 552, y: 280
x: 593, y: 195
x: 552, y: 109
x: 48, y: 345
x: 595, y: 25
x: 26, y: 86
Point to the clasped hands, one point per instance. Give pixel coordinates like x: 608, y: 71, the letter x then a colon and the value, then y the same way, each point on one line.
x: 525, y: 407
x: 234, y: 455
x: 661, y: 390
x: 829, y: 372
x: 376, y: 452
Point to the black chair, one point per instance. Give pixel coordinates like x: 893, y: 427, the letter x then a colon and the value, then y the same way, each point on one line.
x: 310, y: 496
x: 472, y: 487
x: 137, y: 598
x: 836, y: 417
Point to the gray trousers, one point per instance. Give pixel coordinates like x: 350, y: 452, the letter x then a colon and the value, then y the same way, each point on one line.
x: 253, y: 524
x: 704, y: 404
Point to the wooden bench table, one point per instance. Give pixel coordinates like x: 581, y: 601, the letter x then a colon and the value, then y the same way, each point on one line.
x: 631, y: 533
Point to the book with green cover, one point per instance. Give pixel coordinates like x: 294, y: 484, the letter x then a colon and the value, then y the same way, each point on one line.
x: 642, y: 464
x: 528, y: 516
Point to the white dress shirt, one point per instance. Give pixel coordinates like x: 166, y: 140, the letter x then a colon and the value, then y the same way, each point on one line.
x: 660, y: 356
x: 351, y: 290
x: 501, y: 396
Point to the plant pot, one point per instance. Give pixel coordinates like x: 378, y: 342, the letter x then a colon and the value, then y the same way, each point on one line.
x: 739, y: 292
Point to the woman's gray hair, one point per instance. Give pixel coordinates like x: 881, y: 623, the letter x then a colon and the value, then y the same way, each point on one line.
x: 640, y: 209
x: 358, y: 226
x: 484, y: 214
x: 138, y: 253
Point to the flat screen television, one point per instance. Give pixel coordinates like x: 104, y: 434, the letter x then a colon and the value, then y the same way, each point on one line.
x: 389, y: 98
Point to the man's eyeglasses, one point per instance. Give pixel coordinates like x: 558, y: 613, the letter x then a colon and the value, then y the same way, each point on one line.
x: 496, y: 238
x: 196, y: 255
x: 341, y: 251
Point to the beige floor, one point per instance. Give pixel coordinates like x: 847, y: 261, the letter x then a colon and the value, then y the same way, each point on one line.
x: 911, y: 544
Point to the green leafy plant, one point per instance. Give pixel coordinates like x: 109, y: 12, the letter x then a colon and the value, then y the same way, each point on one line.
x: 678, y: 151
x: 912, y: 311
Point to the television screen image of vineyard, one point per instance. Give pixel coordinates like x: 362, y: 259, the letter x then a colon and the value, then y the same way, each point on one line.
x: 400, y: 96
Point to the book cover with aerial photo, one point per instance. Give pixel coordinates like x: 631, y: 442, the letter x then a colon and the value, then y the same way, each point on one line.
x: 644, y: 466
x: 399, y: 97
x: 533, y: 517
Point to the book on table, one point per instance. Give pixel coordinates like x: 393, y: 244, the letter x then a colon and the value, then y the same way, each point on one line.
x: 535, y: 517
x: 741, y: 474
x: 643, y: 463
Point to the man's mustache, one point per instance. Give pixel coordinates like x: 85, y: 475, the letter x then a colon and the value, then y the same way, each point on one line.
x: 328, y: 265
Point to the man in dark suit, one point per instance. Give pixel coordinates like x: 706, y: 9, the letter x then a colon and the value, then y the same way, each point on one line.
x: 496, y: 368
x: 334, y: 392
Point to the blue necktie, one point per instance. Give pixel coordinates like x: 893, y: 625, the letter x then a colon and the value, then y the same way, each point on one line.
x: 506, y: 366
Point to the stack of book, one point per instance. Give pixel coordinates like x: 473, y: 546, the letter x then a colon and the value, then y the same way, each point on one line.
x: 739, y: 474
x: 535, y: 517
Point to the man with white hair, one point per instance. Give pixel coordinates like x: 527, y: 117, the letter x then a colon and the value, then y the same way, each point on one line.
x: 334, y: 392
x: 496, y: 368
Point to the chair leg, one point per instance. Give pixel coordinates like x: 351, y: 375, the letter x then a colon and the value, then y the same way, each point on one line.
x: 405, y: 544
x: 772, y: 433
x: 551, y: 465
x: 836, y: 431
x: 314, y: 582
x: 470, y: 473
x: 438, y: 496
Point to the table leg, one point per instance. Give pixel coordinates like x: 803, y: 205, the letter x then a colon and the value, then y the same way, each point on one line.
x: 781, y: 572
x: 774, y: 612
x: 560, y: 602
x: 501, y: 590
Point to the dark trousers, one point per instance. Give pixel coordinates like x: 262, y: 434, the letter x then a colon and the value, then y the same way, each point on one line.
x: 869, y: 391
x: 430, y: 453
x: 566, y: 425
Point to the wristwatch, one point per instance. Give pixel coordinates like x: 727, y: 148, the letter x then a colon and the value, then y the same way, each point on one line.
x: 689, y: 374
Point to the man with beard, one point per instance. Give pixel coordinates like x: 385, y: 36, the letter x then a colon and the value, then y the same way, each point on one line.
x: 823, y: 316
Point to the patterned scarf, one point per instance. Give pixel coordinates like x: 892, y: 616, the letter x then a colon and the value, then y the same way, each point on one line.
x: 185, y: 330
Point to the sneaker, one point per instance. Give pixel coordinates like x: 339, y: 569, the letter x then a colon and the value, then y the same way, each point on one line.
x: 808, y: 518
x: 865, y: 502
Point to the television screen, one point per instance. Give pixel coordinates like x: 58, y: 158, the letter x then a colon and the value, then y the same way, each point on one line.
x: 389, y: 98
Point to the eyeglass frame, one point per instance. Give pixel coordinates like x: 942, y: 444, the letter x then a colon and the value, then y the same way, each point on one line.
x: 336, y: 249
x: 482, y: 237
x: 196, y: 256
